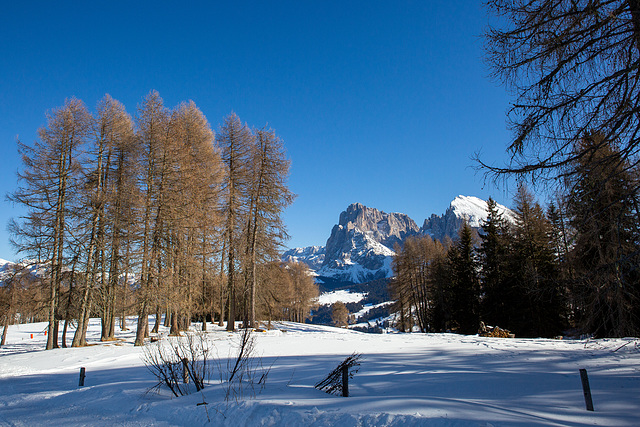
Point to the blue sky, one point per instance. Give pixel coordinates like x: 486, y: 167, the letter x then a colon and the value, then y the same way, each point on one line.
x: 378, y: 102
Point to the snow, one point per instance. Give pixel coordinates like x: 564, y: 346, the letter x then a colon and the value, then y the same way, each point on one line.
x: 367, y: 308
x: 404, y: 379
x: 348, y: 264
x: 475, y: 210
x: 313, y: 256
x: 342, y: 295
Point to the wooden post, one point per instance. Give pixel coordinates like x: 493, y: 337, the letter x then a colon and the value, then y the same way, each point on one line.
x: 185, y: 370
x: 345, y: 381
x: 82, y: 375
x: 586, y: 389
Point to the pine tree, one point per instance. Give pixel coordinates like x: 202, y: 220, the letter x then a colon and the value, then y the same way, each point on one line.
x: 494, y: 258
x: 537, y: 304
x: 465, y: 286
x: 604, y: 209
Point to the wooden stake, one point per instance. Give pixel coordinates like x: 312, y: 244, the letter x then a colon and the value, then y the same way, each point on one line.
x: 345, y: 381
x: 82, y: 375
x: 586, y: 389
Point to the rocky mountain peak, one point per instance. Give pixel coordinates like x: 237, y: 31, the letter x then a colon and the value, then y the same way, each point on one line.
x: 385, y: 228
x: 364, y: 237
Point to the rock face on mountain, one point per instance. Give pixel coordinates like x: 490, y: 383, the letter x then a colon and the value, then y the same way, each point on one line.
x: 360, y: 245
x: 385, y: 228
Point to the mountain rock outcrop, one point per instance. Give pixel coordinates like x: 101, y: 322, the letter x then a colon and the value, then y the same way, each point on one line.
x: 360, y: 245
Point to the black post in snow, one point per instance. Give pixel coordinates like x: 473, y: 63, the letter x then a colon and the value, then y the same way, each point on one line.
x: 82, y: 375
x: 586, y: 389
x: 345, y: 381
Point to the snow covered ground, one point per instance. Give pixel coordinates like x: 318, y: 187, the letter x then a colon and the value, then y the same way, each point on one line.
x: 341, y: 295
x: 404, y: 380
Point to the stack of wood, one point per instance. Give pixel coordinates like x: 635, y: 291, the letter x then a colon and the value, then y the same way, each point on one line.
x: 494, y: 331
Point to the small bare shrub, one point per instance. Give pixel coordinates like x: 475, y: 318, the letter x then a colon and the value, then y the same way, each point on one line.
x: 181, y: 363
x: 245, y: 371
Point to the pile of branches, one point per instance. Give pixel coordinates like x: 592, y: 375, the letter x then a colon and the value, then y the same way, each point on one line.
x: 332, y: 383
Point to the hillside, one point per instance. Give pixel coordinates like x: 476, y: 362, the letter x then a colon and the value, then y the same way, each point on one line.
x: 404, y: 379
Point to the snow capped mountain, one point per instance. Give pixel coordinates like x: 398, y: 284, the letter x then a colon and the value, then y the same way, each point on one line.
x: 9, y: 268
x: 360, y: 247
x: 462, y: 208
x: 313, y: 256
x: 355, y: 257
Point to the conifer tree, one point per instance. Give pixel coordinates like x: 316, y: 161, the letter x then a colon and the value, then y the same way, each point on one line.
x: 494, y: 256
x: 235, y: 140
x: 269, y: 195
x: 603, y: 204
x: 152, y: 133
x: 465, y: 286
x: 537, y: 305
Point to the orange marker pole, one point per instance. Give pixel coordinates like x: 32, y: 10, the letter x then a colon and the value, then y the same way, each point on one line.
x: 31, y: 336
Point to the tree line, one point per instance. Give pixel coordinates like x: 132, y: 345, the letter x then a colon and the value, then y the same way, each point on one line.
x: 572, y: 267
x: 152, y: 214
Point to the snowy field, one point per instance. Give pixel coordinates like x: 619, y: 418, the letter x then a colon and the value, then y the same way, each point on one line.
x: 342, y: 296
x: 404, y: 380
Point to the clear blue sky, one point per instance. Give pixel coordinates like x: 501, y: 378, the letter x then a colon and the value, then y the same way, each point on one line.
x: 378, y: 102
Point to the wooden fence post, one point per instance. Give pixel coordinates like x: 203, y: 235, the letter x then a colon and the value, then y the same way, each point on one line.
x: 82, y: 375
x: 345, y: 381
x: 586, y: 389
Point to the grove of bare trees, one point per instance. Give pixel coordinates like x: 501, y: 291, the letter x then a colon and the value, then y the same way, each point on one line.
x: 151, y: 215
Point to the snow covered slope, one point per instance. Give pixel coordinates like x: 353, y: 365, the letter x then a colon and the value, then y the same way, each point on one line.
x: 313, y: 256
x: 404, y: 380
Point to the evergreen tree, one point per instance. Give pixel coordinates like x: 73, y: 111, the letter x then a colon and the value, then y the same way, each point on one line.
x: 603, y: 205
x: 465, y: 285
x: 537, y: 304
x: 494, y: 258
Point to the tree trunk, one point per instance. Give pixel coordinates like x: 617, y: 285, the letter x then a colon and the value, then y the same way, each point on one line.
x: 4, y: 330
x: 64, y: 333
x: 175, y: 328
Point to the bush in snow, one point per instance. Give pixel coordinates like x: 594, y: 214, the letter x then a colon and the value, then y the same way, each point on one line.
x: 181, y: 363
